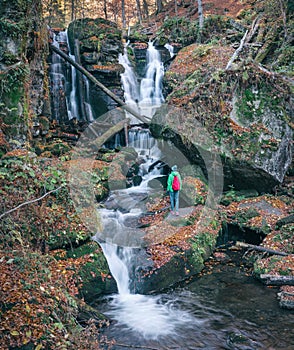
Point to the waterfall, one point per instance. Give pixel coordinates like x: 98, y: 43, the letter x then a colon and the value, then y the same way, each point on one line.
x: 57, y: 79
x: 72, y: 111
x: 63, y: 88
x: 127, y: 204
x: 118, y: 260
x: 119, y: 237
x: 150, y: 88
x: 121, y: 241
x: 170, y: 49
x: 88, y: 107
x: 144, y: 95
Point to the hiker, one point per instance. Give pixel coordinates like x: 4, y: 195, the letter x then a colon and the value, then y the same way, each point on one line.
x: 174, y: 185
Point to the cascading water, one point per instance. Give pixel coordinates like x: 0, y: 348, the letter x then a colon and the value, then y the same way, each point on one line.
x: 144, y: 95
x: 170, y: 49
x: 63, y: 87
x: 88, y: 107
x: 72, y: 111
x: 124, y: 204
x: 120, y: 241
x: 57, y: 79
x: 150, y: 88
x: 149, y: 316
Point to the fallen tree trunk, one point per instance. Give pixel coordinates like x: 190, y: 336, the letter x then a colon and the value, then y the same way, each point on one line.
x: 92, y: 136
x: 236, y: 53
x: 100, y: 85
x: 261, y: 249
x: 277, y: 280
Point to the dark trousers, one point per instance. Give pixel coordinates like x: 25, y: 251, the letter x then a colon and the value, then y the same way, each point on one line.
x: 174, y: 200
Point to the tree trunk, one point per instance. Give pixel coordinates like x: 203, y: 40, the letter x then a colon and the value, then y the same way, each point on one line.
x: 277, y: 280
x: 159, y: 6
x: 146, y: 8
x: 139, y: 11
x: 236, y: 53
x: 101, y: 86
x: 261, y: 249
x: 200, y: 14
x: 123, y: 14
x: 98, y: 141
x: 105, y: 8
x: 72, y: 10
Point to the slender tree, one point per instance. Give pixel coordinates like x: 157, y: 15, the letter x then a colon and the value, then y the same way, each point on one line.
x: 139, y: 13
x: 159, y: 6
x: 105, y: 9
x: 72, y: 17
x: 200, y: 14
x: 123, y: 14
x: 146, y: 8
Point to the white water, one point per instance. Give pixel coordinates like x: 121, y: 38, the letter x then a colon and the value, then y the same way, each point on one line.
x: 88, y: 107
x: 148, y: 316
x: 72, y: 102
x: 57, y: 76
x: 170, y: 49
x: 144, y: 95
x: 127, y: 203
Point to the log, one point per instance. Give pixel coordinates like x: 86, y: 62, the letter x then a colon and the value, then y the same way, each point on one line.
x: 100, y: 85
x: 286, y: 220
x: 98, y: 140
x: 236, y: 53
x: 261, y: 249
x: 277, y: 280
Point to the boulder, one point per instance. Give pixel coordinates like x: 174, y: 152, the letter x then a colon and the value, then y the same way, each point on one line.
x: 246, y: 113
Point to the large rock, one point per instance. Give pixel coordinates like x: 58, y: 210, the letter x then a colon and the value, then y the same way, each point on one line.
x: 100, y: 45
x: 23, y: 53
x: 246, y: 112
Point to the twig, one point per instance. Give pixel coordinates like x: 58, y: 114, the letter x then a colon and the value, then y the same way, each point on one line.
x: 29, y: 202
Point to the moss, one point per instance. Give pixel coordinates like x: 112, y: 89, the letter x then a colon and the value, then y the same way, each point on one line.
x: 92, y: 33
x: 179, y: 30
x: 202, y: 245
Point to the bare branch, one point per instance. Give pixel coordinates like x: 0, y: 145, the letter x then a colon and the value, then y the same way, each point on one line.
x: 30, y: 202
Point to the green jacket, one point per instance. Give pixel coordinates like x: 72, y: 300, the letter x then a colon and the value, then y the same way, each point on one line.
x: 170, y: 180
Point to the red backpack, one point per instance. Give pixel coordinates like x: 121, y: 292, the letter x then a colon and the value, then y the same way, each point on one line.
x: 176, y: 183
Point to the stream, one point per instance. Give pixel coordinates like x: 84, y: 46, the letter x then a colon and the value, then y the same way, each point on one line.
x: 224, y: 308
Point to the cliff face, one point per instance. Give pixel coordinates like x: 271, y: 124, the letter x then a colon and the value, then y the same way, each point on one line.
x: 235, y: 81
x: 246, y: 110
x: 23, y: 52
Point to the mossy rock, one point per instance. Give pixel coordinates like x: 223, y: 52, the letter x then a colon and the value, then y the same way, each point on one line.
x: 56, y: 148
x: 94, y: 274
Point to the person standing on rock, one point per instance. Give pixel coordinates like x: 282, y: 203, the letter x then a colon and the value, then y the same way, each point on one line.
x: 174, y: 185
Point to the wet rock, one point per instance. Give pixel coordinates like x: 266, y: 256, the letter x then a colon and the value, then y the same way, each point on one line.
x: 94, y: 273
x: 286, y: 297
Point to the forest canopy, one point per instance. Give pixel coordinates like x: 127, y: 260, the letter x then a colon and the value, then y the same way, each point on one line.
x: 124, y: 12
